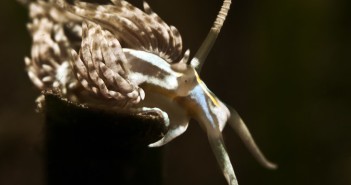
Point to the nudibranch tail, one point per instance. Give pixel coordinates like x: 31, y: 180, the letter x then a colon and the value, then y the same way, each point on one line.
x: 206, y: 46
x: 241, y: 129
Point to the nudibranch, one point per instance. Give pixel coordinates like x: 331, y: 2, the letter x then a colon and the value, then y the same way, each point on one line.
x: 118, y: 56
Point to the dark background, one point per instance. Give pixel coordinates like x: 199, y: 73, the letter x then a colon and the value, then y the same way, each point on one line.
x: 284, y: 65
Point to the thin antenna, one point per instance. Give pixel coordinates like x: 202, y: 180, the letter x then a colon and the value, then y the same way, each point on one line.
x: 207, y: 44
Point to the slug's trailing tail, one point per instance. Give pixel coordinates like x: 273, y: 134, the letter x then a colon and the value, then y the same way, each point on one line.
x: 206, y: 46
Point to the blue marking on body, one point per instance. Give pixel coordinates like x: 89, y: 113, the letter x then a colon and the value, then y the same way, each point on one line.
x: 199, y: 96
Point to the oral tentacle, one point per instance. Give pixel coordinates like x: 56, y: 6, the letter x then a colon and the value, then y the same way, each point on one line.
x: 241, y: 129
x: 173, y: 132
x: 223, y: 160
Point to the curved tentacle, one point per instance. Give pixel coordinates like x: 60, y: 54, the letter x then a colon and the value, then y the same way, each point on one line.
x: 241, y: 129
x: 223, y: 160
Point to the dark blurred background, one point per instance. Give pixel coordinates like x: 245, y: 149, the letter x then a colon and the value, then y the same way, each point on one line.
x: 284, y: 65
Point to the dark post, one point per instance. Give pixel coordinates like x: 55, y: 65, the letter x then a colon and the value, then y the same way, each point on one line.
x: 93, y: 147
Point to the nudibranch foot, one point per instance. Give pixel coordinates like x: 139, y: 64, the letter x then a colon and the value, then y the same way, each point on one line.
x: 173, y: 132
x: 148, y: 110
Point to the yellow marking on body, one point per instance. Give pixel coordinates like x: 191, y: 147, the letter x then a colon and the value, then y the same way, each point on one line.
x: 203, y: 86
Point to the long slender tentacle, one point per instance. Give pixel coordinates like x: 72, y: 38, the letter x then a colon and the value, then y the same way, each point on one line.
x: 241, y: 129
x: 223, y: 160
x: 207, y: 44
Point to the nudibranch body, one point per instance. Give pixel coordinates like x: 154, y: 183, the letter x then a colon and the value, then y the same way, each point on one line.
x: 118, y: 56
